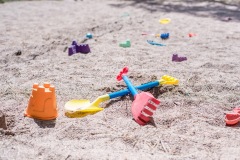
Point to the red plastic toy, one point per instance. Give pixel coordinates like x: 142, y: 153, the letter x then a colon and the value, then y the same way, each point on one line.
x: 233, y: 117
x: 144, y: 103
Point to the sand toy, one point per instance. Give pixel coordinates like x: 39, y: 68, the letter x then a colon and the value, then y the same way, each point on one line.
x: 165, y: 21
x: 89, y: 35
x: 155, y: 43
x: 78, y: 48
x: 125, y: 44
x: 42, y: 103
x: 164, y: 36
x: 234, y: 117
x: 191, y: 34
x: 144, y: 103
x: 176, y: 58
x: 81, y: 108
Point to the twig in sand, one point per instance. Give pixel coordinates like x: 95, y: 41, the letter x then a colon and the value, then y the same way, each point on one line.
x: 164, y: 148
x: 155, y: 146
x: 105, y: 117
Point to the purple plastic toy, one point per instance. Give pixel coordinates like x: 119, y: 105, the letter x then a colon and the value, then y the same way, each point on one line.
x: 175, y: 58
x: 75, y: 48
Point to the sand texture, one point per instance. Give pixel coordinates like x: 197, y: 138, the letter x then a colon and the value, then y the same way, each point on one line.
x: 189, y: 123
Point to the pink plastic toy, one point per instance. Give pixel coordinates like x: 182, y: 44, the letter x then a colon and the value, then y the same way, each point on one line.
x: 144, y: 103
x: 233, y: 117
x: 191, y: 34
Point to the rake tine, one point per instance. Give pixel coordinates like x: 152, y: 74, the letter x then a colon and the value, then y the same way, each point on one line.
x: 153, y: 107
x: 143, y: 118
x: 155, y: 100
x: 146, y: 111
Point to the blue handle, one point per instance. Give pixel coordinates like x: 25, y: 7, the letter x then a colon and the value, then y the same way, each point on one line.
x: 130, y: 86
x: 126, y: 91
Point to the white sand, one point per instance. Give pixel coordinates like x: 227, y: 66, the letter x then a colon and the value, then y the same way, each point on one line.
x: 190, y: 121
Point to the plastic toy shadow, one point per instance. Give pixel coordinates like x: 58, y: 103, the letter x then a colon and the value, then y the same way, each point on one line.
x: 156, y: 91
x: 151, y: 122
x: 235, y: 126
x: 45, y: 124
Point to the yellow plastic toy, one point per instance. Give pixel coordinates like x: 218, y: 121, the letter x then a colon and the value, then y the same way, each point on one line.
x: 42, y: 103
x: 165, y: 21
x: 81, y: 108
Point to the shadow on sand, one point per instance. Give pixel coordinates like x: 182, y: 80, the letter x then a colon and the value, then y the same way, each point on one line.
x: 45, y: 124
x: 217, y: 10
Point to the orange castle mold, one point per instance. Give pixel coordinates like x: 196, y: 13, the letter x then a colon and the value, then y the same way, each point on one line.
x: 42, y: 103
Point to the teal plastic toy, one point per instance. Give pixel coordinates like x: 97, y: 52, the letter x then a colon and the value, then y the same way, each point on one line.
x: 155, y: 43
x: 89, y: 35
x: 125, y: 44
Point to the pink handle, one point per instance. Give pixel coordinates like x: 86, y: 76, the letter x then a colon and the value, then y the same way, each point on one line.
x: 122, y: 73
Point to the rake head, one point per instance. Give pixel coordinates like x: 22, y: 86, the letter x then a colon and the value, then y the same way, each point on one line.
x: 143, y: 107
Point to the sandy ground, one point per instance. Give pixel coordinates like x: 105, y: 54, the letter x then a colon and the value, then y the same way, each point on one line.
x: 189, y: 123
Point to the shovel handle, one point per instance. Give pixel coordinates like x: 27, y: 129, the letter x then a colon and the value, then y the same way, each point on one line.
x: 141, y: 87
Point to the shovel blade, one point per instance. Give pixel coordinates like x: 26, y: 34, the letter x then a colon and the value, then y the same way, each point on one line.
x: 80, y: 108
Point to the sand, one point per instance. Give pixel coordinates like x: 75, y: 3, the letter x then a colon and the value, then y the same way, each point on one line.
x: 189, y: 123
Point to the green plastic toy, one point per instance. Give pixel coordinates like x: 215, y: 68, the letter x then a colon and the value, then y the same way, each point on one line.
x: 125, y: 44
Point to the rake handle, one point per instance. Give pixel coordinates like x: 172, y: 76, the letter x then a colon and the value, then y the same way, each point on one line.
x: 130, y: 86
x: 122, y: 75
x: 141, y: 87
